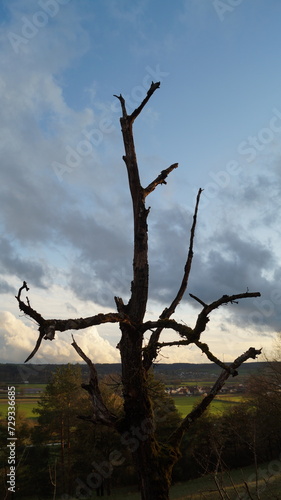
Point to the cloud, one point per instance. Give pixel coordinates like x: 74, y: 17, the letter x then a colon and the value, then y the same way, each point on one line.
x: 24, y: 269
x: 126, y: 10
x: 6, y: 288
x: 17, y: 340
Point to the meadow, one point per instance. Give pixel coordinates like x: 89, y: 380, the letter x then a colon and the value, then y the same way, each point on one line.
x: 185, y: 404
x: 27, y: 401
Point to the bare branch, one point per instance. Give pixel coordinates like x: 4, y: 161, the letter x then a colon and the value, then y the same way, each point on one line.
x: 123, y: 105
x: 225, y: 299
x: 150, y: 92
x: 190, y: 335
x: 173, y: 343
x: 138, y: 110
x: 203, y: 318
x: 26, y: 307
x: 151, y: 350
x: 62, y: 325
x: 37, y: 345
x: 176, y: 436
x: 48, y: 327
x: 205, y: 348
x: 24, y: 286
x: 183, y: 330
x: 198, y: 300
x: 161, y: 179
x: 101, y: 413
x: 168, y: 312
x: 139, y: 287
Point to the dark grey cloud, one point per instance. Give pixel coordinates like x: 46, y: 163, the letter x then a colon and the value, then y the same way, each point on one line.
x: 236, y: 265
x: 6, y: 288
x: 24, y: 269
x: 102, y: 266
x: 169, y: 242
x: 224, y: 263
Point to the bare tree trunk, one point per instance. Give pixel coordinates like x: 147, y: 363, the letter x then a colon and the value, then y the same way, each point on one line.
x: 138, y: 426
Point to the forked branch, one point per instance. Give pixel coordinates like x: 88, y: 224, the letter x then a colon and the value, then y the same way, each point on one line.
x: 203, y: 316
x: 137, y: 111
x: 190, y: 335
x: 26, y: 308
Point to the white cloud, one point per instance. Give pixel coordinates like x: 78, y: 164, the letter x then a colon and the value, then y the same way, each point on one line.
x: 18, y: 340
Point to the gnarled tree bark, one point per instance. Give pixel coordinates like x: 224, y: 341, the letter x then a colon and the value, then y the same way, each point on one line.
x: 154, y: 460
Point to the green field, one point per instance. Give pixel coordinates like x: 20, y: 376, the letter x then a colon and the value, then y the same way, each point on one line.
x: 24, y: 405
x: 185, y: 404
x: 24, y: 400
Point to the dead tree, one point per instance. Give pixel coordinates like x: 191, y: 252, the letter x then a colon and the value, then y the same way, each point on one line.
x: 154, y: 461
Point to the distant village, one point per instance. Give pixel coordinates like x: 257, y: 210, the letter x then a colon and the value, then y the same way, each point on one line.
x: 197, y: 390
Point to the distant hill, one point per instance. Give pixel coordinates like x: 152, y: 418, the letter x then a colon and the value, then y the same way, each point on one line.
x: 40, y: 374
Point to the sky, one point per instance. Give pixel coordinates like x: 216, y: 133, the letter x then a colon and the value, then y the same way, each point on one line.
x: 66, y: 215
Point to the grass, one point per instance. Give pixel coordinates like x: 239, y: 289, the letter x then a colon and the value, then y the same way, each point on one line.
x: 31, y: 386
x: 24, y: 404
x: 185, y: 404
x: 204, y: 488
x: 192, y: 383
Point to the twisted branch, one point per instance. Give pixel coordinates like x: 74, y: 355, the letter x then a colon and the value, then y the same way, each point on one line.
x: 101, y: 414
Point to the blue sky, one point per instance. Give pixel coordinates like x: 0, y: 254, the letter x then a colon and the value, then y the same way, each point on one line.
x: 65, y: 215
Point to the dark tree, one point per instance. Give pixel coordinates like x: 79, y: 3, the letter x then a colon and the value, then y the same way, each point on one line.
x: 154, y: 460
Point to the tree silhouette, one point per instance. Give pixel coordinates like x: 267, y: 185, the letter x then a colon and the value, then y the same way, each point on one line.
x: 154, y: 460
